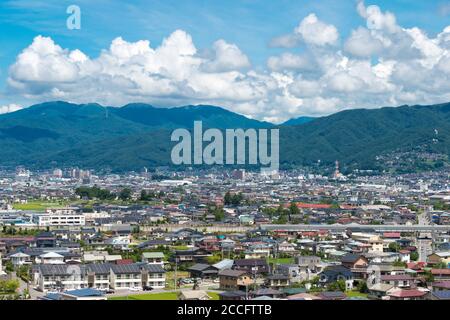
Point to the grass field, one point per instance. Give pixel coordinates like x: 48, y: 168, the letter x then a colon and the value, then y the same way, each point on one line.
x: 351, y: 294
x: 170, y: 276
x: 38, y: 205
x: 159, y: 296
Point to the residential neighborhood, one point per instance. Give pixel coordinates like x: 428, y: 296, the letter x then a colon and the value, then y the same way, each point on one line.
x: 223, y: 235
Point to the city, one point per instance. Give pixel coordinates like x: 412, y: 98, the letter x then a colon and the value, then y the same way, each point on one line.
x: 224, y: 234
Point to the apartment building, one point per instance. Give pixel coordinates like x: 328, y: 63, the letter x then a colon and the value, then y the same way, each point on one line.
x: 59, y: 217
x: 99, y: 276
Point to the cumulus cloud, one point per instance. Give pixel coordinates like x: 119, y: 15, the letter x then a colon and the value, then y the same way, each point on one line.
x: 9, y: 108
x: 289, y: 61
x: 380, y: 63
x: 362, y: 44
x: 310, y: 31
x: 313, y: 31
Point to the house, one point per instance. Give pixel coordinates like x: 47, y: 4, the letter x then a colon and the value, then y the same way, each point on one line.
x: 194, y: 295
x: 233, y: 295
x: 98, y: 276
x: 230, y: 279
x: 269, y: 292
x: 334, y: 273
x: 77, y: 294
x: 434, y: 259
x: 398, y: 280
x: 192, y: 255
x: 441, y: 285
x: 251, y: 266
x: 293, y: 272
x: 46, y: 240
x: 203, y: 270
x: 441, y: 274
x: 286, y: 247
x: 332, y: 295
x: 408, y: 294
x: 51, y: 258
x: 303, y: 296
x: 379, y: 290
x: 19, y: 259
x: 440, y: 295
x: 354, y: 261
x: 153, y: 258
x: 278, y: 280
x: 309, y: 263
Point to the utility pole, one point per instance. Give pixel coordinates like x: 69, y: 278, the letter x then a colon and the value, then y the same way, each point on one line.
x: 176, y: 267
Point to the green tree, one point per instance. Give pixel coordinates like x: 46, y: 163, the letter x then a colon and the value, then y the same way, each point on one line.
x: 227, y: 198
x: 394, y: 246
x: 338, y: 285
x: 293, y: 210
x: 414, y: 256
x: 125, y: 194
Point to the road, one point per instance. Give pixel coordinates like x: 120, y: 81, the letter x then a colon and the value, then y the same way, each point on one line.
x: 34, y: 294
x: 424, y: 241
x: 342, y: 227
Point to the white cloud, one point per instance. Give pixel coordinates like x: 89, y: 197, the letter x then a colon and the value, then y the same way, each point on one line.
x: 377, y: 20
x: 313, y: 31
x: 9, y: 108
x: 379, y: 64
x: 228, y: 57
x: 362, y: 44
x: 289, y: 61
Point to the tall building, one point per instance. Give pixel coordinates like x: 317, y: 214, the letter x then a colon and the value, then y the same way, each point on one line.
x: 239, y: 174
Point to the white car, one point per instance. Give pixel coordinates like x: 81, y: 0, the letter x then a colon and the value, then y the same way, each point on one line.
x: 135, y: 289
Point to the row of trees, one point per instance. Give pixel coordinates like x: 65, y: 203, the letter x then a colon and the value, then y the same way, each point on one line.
x: 150, y: 195
x: 103, y: 194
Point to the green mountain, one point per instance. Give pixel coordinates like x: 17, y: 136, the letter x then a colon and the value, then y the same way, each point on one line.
x: 91, y: 135
x: 357, y: 137
x: 297, y: 121
x: 138, y: 135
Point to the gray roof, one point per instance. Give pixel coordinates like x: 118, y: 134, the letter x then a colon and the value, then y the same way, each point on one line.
x: 231, y: 273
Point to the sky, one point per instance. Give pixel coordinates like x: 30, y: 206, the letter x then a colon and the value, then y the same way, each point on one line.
x: 269, y: 60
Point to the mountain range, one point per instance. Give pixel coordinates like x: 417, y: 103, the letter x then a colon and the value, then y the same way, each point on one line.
x: 137, y: 135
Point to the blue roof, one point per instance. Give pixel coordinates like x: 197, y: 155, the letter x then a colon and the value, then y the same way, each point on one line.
x: 52, y: 296
x: 87, y: 292
x: 442, y: 294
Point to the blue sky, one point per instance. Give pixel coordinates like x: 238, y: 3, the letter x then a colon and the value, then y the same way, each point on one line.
x: 248, y: 24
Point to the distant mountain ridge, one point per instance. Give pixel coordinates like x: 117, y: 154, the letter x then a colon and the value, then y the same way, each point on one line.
x: 137, y: 135
x: 297, y: 121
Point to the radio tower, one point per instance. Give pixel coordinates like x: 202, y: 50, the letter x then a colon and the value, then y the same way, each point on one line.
x: 337, y: 174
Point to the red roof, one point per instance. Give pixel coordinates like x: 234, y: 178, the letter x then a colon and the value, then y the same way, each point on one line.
x: 347, y: 207
x: 396, y: 277
x: 302, y: 205
x: 416, y: 265
x: 440, y: 271
x: 410, y: 293
x: 391, y: 235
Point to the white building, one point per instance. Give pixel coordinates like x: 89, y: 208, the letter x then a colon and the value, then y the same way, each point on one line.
x: 2, y: 273
x: 53, y: 277
x: 60, y: 217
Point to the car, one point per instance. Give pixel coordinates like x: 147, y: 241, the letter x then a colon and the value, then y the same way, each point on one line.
x: 135, y: 289
x: 147, y: 288
x: 109, y: 291
x: 216, y: 281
